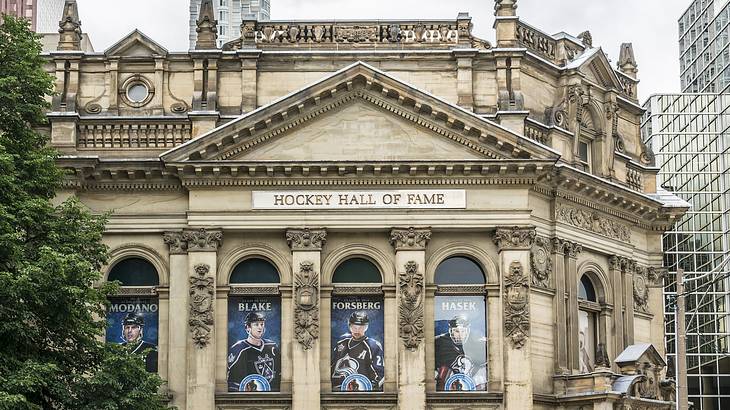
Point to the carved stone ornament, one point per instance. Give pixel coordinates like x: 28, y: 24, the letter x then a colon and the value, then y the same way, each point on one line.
x: 306, y: 305
x: 201, y: 305
x: 592, y: 221
x: 411, y: 306
x: 641, y: 291
x: 602, y: 356
x: 202, y: 240
x: 514, y: 238
x: 516, y: 305
x: 306, y: 239
x: 542, y: 265
x: 410, y: 238
x: 175, y: 241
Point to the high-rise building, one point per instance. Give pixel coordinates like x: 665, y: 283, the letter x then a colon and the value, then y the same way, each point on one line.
x: 43, y: 14
x: 230, y: 14
x: 690, y: 134
x: 704, y: 47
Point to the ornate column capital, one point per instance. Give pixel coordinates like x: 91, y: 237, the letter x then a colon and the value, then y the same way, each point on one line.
x: 515, y: 238
x: 573, y: 249
x: 306, y: 239
x: 176, y: 242
x: 410, y: 239
x: 202, y: 240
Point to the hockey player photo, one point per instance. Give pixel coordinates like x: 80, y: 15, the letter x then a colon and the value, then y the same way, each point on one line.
x: 254, y: 360
x: 133, y: 323
x: 357, y: 354
x: 460, y: 344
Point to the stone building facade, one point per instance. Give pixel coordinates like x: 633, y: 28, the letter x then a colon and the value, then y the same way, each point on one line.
x: 485, y: 213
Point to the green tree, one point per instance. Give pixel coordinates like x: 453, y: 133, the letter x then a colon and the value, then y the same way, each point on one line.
x: 51, y: 316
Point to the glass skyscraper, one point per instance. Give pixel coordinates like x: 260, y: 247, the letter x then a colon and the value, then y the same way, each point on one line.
x: 230, y: 14
x: 704, y: 52
x: 690, y: 136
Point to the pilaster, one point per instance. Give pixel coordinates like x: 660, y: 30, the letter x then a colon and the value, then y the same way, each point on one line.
x: 614, y: 265
x: 410, y: 261
x: 178, y: 321
x: 514, y: 244
x: 306, y: 246
x: 202, y: 246
x: 572, y: 250
x: 249, y: 79
x: 561, y: 348
x: 627, y: 267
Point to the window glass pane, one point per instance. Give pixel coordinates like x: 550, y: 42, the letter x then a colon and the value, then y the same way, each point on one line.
x: 586, y: 291
x: 586, y: 340
x: 137, y: 92
x: 459, y: 270
x: 357, y: 270
x: 134, y: 272
x: 254, y: 270
x: 583, y: 151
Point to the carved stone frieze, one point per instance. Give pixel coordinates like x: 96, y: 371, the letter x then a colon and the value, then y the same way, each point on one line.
x: 175, y: 241
x: 306, y: 305
x: 201, y: 305
x: 536, y: 41
x: 592, y: 221
x: 410, y: 238
x: 542, y: 265
x: 411, y: 306
x: 306, y: 239
x: 202, y: 240
x: 515, y: 237
x: 516, y: 305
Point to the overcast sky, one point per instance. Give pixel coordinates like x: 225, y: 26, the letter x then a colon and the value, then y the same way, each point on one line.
x: 651, y: 25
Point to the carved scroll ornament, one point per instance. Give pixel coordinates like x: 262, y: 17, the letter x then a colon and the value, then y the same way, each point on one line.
x: 542, y: 265
x: 306, y: 239
x: 175, y: 241
x: 410, y: 239
x: 592, y: 221
x: 514, y: 237
x: 411, y: 306
x: 516, y: 305
x: 306, y: 305
x: 201, y: 305
x: 202, y: 240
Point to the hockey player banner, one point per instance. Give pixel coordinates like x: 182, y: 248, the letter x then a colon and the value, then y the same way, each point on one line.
x: 254, y: 337
x: 460, y: 345
x: 134, y: 322
x: 357, y: 343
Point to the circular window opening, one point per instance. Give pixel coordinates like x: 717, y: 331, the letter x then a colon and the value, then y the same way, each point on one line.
x: 137, y: 92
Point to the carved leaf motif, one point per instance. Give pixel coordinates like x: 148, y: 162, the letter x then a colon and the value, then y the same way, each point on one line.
x: 516, y: 306
x: 514, y: 237
x: 592, y: 221
x: 410, y: 238
x: 542, y: 265
x: 306, y: 305
x: 201, y: 305
x: 305, y: 238
x: 411, y: 306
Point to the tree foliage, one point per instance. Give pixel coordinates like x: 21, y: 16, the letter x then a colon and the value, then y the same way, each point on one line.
x: 51, y: 316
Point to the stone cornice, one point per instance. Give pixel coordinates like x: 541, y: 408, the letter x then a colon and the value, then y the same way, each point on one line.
x: 514, y: 238
x: 306, y: 239
x: 410, y: 239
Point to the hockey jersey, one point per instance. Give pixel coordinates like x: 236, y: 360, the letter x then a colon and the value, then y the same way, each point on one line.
x: 363, y: 357
x: 245, y: 359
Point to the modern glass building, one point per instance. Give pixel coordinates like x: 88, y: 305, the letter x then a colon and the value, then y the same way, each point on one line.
x: 690, y: 137
x: 704, y: 47
x: 230, y: 14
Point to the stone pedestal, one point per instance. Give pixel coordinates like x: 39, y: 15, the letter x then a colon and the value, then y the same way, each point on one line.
x: 410, y: 261
x: 514, y: 263
x: 306, y: 245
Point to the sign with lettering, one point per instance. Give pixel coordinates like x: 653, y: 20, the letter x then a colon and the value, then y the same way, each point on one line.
x: 395, y: 199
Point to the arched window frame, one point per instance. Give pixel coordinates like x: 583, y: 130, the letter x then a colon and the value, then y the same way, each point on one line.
x: 600, y: 309
x: 254, y: 288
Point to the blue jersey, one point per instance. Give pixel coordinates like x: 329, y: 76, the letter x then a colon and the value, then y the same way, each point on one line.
x: 246, y: 359
x: 363, y: 357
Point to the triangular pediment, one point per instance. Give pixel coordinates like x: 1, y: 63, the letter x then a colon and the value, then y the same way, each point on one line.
x: 135, y: 44
x: 355, y: 114
x: 596, y: 67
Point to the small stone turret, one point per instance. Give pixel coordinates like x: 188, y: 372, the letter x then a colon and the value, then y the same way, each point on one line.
x: 207, y: 27
x: 626, y: 61
x: 69, y: 30
x: 505, y: 22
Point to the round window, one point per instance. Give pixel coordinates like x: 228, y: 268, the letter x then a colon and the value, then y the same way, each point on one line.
x: 137, y: 92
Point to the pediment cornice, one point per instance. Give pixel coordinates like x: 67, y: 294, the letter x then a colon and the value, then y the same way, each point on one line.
x: 364, y: 83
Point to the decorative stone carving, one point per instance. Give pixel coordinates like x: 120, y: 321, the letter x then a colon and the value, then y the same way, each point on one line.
x: 175, y: 241
x: 410, y: 238
x: 542, y: 265
x: 202, y: 240
x: 641, y: 366
x: 201, y: 305
x: 207, y: 27
x: 572, y: 249
x: 602, y: 356
x: 586, y: 38
x: 536, y: 41
x: 592, y: 221
x: 514, y: 238
x: 306, y: 239
x: 306, y: 305
x: 641, y: 290
x: 356, y: 34
x: 516, y: 305
x: 411, y: 306
x: 69, y: 28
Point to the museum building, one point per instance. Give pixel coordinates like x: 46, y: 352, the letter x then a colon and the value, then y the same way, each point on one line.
x: 386, y: 214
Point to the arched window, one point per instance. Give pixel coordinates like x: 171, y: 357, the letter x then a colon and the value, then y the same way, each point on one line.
x: 254, y: 327
x: 357, y: 270
x: 358, y: 327
x: 460, y: 325
x: 588, y: 310
x: 132, y: 318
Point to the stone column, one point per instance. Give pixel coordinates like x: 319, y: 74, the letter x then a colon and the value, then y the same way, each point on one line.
x: 202, y: 256
x: 628, y: 266
x: 177, y: 319
x: 306, y: 245
x: 249, y: 78
x: 614, y: 264
x: 561, y: 349
x: 572, y: 250
x: 410, y: 262
x: 514, y: 263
